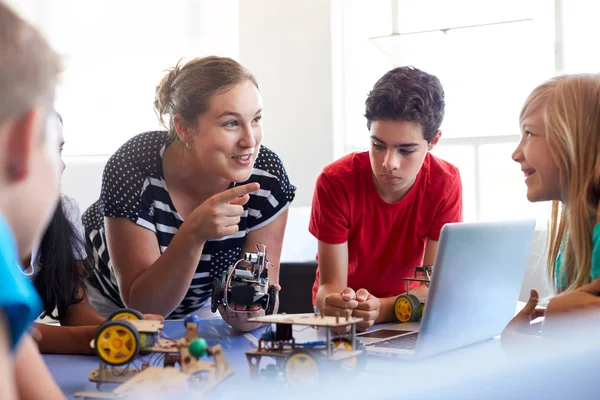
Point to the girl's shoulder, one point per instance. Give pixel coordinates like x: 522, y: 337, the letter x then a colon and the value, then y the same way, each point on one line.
x: 70, y: 207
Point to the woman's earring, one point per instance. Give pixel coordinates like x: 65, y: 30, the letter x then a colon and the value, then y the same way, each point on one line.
x: 188, y: 146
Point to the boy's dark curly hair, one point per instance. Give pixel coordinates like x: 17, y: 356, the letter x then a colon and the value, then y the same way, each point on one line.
x: 407, y: 94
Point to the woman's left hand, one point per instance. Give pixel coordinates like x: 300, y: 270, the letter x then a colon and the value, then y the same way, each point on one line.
x: 238, y: 316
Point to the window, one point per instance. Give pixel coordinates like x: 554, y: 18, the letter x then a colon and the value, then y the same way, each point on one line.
x: 488, y: 60
x: 114, y: 54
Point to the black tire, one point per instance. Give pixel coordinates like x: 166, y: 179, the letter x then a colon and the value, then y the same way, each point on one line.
x: 355, y: 364
x: 127, y: 313
x: 308, y: 374
x: 271, y: 371
x: 417, y: 311
x: 272, y: 292
x: 414, y: 308
x: 131, y: 342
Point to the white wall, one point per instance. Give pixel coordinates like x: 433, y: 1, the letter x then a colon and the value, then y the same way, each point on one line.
x: 82, y: 178
x: 111, y: 71
x: 287, y: 45
x: 580, y: 28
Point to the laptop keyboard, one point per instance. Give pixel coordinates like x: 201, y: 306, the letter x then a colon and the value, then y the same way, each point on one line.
x: 406, y: 342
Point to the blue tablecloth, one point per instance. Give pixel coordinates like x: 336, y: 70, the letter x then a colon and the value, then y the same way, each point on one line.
x: 479, y: 371
x: 71, y: 372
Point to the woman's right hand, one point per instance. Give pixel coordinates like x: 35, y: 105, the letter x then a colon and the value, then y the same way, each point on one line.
x: 219, y: 216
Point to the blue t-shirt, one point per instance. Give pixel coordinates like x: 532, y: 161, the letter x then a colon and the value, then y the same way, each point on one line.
x: 594, y: 272
x: 18, y: 298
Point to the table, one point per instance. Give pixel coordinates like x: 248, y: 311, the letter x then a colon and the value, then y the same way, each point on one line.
x: 479, y: 370
x: 71, y: 372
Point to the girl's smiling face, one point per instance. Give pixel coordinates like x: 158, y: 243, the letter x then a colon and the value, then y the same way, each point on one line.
x: 542, y: 175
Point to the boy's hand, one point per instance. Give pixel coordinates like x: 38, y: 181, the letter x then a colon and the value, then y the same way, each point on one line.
x: 368, y: 309
x: 340, y: 304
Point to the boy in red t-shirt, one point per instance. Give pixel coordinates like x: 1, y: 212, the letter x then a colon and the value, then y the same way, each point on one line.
x: 378, y: 214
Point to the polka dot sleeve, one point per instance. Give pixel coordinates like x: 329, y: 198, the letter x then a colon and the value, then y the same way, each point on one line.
x: 127, y: 173
x: 275, y: 194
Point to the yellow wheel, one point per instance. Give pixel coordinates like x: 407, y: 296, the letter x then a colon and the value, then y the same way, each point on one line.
x: 117, y: 342
x: 126, y: 314
x: 408, y: 308
x: 301, y: 369
x: 347, y: 364
x: 342, y: 344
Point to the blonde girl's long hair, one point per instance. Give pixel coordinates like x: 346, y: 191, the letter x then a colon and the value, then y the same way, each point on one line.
x: 570, y: 111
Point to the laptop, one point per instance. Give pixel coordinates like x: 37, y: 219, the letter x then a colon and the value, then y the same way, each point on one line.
x: 477, y: 277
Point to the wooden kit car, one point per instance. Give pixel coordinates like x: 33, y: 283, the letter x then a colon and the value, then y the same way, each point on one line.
x: 408, y: 307
x: 126, y: 338
x: 305, y: 363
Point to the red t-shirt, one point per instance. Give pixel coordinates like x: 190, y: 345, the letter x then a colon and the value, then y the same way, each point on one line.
x: 385, y: 241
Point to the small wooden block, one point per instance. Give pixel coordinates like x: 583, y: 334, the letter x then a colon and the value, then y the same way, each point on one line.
x: 146, y: 325
x: 306, y: 319
x: 97, y: 395
x: 112, y: 375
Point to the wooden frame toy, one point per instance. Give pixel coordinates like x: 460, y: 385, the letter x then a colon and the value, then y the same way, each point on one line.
x: 126, y: 337
x: 408, y: 307
x: 303, y: 363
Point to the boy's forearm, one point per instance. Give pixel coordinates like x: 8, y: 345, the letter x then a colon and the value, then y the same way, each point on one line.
x: 386, y: 312
x: 324, y: 291
x: 66, y: 339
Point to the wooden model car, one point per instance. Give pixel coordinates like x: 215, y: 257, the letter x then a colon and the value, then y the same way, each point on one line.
x: 130, y: 339
x: 408, y: 307
x: 306, y: 363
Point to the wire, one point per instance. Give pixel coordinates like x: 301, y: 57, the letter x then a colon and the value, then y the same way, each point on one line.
x: 29, y: 271
x: 227, y: 283
x: 260, y: 248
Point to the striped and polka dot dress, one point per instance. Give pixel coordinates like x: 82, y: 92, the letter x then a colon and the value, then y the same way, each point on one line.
x: 133, y: 187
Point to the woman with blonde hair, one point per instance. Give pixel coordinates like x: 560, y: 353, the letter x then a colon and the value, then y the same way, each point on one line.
x: 558, y: 153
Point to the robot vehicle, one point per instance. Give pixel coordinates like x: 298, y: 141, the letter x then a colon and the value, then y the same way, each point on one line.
x: 408, y: 307
x: 246, y: 283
